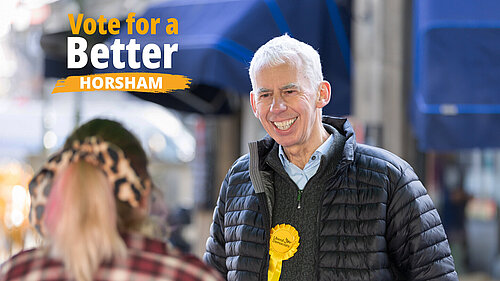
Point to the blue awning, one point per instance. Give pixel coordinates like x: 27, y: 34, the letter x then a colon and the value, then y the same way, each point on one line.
x: 456, y: 94
x: 217, y: 39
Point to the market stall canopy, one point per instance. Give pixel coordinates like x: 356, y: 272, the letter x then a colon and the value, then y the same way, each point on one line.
x: 217, y: 38
x: 456, y: 100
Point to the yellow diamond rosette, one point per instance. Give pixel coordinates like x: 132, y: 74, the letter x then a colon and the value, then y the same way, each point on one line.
x: 282, y: 246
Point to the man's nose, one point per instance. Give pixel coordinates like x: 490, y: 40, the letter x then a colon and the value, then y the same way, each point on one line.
x: 278, y: 104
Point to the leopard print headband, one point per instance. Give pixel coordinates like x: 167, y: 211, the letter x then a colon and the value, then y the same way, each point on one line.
x: 127, y: 186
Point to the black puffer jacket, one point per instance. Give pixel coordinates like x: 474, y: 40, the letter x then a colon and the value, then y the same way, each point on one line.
x: 376, y: 220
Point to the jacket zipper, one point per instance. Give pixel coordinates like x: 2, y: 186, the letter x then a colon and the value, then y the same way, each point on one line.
x: 318, y: 221
x: 267, y: 230
x: 262, y: 197
x: 317, y: 235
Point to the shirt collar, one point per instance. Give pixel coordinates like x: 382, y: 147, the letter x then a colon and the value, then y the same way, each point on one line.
x: 142, y: 243
x: 320, y: 151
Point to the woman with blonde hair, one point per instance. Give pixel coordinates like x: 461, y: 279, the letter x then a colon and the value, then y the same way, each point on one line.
x: 90, y: 203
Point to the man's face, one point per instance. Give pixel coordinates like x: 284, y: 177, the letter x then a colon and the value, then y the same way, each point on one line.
x: 287, y: 107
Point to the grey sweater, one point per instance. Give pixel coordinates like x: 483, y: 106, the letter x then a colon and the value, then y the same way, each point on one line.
x: 302, y: 266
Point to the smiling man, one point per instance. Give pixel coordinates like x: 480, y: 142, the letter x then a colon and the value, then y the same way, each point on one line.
x: 308, y: 202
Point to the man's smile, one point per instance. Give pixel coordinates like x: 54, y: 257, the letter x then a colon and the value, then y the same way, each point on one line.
x: 285, y: 125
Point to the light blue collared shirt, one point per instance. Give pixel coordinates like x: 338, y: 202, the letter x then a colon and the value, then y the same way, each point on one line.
x: 299, y: 176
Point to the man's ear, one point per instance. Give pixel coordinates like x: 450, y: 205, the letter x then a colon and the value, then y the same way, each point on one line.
x: 252, y: 102
x: 325, y: 93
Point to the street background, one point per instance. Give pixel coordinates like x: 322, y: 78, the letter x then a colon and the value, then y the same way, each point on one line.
x: 418, y: 78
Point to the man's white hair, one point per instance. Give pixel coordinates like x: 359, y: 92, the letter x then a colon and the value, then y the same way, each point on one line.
x: 287, y: 50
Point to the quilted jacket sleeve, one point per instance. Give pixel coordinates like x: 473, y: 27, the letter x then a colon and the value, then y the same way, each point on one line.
x: 215, y: 254
x: 416, y: 238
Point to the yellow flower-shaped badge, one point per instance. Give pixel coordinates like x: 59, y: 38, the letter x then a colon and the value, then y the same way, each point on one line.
x: 282, y: 246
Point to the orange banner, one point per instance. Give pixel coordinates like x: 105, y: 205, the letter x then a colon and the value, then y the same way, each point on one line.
x: 133, y: 81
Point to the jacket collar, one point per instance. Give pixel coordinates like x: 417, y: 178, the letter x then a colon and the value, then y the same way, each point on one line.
x: 345, y: 128
x: 260, y: 149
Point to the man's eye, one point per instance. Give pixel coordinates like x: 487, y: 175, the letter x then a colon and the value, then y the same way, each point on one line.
x: 290, y: 92
x: 264, y: 95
